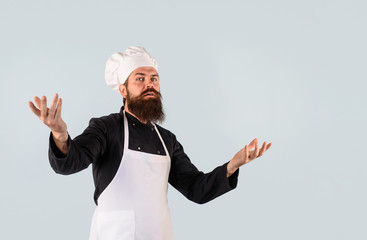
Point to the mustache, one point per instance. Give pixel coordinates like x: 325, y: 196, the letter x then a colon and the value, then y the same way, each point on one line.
x: 151, y: 90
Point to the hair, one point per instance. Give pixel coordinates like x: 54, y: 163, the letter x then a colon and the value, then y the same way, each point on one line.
x: 125, y: 84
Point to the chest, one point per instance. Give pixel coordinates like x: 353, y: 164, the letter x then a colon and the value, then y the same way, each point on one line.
x: 144, y: 138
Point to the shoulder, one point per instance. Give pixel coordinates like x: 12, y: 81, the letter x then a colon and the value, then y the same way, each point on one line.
x: 165, y: 133
x: 111, y: 119
x: 109, y: 124
x: 170, y: 140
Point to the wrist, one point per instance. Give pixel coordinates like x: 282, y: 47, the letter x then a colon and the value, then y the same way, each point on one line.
x: 230, y: 169
x: 61, y: 137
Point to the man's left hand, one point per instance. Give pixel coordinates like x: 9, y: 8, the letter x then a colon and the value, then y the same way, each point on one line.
x: 246, y: 155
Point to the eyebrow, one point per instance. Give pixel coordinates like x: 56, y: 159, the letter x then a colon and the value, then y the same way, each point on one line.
x: 143, y: 74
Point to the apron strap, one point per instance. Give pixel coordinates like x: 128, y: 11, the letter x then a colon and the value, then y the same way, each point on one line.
x: 160, y: 137
x: 126, y: 133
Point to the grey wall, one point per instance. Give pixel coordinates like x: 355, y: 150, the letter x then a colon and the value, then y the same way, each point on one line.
x: 289, y: 72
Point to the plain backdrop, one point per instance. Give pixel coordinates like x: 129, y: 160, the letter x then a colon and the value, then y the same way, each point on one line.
x: 288, y: 72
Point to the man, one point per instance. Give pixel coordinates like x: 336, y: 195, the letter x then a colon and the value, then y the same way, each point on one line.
x: 133, y: 159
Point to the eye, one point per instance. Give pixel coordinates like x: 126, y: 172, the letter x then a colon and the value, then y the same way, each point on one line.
x: 140, y: 79
x: 154, y: 79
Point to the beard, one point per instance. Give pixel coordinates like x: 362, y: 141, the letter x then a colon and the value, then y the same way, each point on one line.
x: 146, y: 110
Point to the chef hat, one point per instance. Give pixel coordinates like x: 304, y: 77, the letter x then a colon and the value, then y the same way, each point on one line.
x: 120, y: 65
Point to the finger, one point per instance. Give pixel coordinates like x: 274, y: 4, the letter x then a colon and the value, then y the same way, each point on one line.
x: 252, y: 144
x: 53, y: 105
x: 34, y: 109
x: 37, y: 101
x: 58, y: 109
x: 43, y: 107
x: 268, y: 146
x: 262, y: 150
x: 256, y: 153
x: 247, y: 154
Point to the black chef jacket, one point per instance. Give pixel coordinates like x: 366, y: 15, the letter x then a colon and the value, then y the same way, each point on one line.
x: 102, y: 144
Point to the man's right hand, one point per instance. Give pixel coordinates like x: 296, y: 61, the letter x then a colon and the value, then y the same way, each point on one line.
x: 52, y: 118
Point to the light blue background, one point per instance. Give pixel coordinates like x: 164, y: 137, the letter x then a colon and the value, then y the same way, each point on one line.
x: 289, y: 72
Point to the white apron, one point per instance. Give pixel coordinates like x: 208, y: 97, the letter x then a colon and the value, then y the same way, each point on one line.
x: 134, y: 205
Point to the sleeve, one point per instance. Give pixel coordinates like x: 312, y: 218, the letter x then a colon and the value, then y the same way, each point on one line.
x: 83, y: 150
x: 195, y: 185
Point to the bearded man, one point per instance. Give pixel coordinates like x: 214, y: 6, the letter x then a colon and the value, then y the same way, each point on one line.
x: 133, y: 159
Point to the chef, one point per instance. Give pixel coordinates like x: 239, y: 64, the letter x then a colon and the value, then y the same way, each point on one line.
x: 133, y: 158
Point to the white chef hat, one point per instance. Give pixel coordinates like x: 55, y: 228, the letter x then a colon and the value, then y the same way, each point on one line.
x: 120, y: 65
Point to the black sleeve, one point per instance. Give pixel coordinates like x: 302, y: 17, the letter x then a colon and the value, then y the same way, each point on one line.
x: 83, y: 150
x: 194, y: 184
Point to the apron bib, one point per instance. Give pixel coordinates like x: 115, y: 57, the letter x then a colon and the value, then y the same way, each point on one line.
x: 134, y: 205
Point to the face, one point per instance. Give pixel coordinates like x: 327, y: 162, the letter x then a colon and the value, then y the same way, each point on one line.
x: 142, y: 95
x: 139, y: 81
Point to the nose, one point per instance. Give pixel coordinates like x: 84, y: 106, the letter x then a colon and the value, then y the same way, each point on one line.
x: 149, y: 84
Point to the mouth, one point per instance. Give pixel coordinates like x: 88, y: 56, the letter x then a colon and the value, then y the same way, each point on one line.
x: 149, y: 94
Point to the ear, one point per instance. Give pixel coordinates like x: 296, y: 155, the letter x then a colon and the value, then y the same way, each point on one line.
x: 123, y: 90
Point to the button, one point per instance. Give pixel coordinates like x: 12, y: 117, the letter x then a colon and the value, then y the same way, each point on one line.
x: 152, y: 129
x: 158, y: 152
x: 133, y: 124
x: 138, y: 148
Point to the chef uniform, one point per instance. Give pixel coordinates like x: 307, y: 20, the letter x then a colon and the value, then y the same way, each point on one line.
x: 131, y: 174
